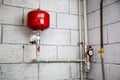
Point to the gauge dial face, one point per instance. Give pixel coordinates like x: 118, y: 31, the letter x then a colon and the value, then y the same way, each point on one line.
x: 90, y: 53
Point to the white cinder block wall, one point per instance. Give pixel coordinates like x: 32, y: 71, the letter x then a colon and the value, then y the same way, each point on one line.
x: 59, y: 41
x: 111, y: 18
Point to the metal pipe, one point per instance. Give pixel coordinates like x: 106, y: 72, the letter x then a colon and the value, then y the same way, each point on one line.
x: 86, y: 35
x: 85, y: 25
x: 80, y: 39
x: 38, y: 46
x: 101, y: 24
x: 101, y: 39
x: 59, y: 60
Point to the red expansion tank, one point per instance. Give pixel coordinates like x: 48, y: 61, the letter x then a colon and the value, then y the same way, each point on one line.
x: 38, y: 19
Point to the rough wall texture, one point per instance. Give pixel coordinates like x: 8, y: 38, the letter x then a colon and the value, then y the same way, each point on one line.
x: 111, y: 18
x: 59, y: 41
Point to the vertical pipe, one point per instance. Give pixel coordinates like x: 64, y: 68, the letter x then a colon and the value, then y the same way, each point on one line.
x: 101, y: 24
x: 85, y: 24
x: 80, y: 39
x: 86, y: 34
x: 101, y: 39
x: 38, y: 46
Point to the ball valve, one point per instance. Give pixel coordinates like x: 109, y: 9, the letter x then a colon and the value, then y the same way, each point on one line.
x: 37, y: 20
x: 90, y: 52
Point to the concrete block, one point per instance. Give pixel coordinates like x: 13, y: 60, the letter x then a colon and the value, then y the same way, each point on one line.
x: 96, y: 72
x: 113, y: 33
x: 94, y: 36
x: 67, y: 21
x: 16, y: 34
x: 91, y: 19
x: 23, y: 3
x: 94, y: 20
x: 114, y: 72
x: 97, y: 18
x: 19, y: 71
x: 69, y: 52
x: 111, y: 52
x: 92, y: 5
x: 47, y: 52
x: 7, y: 17
x: 112, y: 13
x: 108, y: 2
x: 11, y: 53
x: 96, y: 56
x: 107, y: 71
x: 29, y: 53
x: 52, y: 18
x: 74, y: 37
x: 55, y: 37
x: 74, y: 6
x: 54, y: 71
x: 75, y: 71
x: 55, y: 5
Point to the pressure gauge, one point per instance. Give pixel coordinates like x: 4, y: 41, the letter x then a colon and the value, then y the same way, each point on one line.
x: 90, y: 53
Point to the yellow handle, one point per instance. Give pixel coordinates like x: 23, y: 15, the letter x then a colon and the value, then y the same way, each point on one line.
x: 101, y: 51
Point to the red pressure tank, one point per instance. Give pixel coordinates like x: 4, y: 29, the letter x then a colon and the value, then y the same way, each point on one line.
x: 38, y: 19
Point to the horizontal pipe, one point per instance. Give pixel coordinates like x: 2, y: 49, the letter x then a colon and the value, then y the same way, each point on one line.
x: 59, y: 61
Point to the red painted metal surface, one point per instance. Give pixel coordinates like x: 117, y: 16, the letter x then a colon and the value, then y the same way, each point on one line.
x: 38, y: 20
